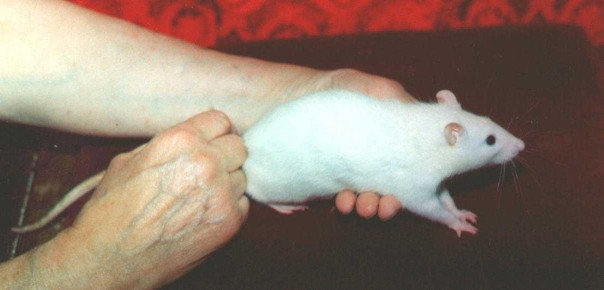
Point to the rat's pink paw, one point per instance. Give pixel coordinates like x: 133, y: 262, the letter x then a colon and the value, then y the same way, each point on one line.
x: 464, y: 227
x: 288, y: 209
x: 466, y: 216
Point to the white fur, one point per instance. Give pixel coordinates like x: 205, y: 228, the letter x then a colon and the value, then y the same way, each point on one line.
x: 334, y: 140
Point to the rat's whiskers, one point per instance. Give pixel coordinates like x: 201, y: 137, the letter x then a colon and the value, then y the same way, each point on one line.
x: 499, y: 190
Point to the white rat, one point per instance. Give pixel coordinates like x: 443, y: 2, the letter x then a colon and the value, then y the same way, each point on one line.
x: 335, y: 140
x: 323, y: 143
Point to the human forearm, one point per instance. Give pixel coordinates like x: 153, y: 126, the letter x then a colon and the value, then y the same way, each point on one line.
x: 65, y: 67
x: 16, y: 273
x: 59, y: 264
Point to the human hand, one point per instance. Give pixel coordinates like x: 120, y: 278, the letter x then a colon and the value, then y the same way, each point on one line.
x: 371, y: 85
x: 164, y: 207
x: 368, y: 203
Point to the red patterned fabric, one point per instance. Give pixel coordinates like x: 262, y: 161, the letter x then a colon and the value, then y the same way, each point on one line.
x: 213, y: 22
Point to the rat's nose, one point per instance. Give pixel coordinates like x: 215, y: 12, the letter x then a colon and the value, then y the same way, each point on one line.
x: 519, y: 145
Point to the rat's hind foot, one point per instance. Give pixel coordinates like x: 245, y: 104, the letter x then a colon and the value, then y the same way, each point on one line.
x: 288, y: 209
x: 465, y: 216
x: 463, y: 227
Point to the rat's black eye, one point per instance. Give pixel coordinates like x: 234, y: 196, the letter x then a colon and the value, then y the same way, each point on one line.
x: 491, y: 140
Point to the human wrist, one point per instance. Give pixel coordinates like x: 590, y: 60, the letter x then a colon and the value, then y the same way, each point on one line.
x: 255, y: 87
x: 46, y: 266
x: 71, y: 261
x: 284, y: 82
x: 17, y: 273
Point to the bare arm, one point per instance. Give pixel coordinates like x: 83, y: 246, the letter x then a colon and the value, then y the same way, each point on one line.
x: 59, y: 263
x: 65, y: 67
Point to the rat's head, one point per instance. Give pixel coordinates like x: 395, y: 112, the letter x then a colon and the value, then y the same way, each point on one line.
x: 476, y: 140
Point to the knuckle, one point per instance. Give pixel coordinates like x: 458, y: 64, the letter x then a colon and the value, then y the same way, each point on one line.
x: 239, y: 179
x: 209, y: 166
x: 230, y: 227
x: 235, y: 220
x: 181, y: 136
x: 390, y: 86
x: 220, y: 117
x: 382, y: 87
x: 243, y: 181
x: 119, y: 160
x: 374, y: 85
x: 238, y: 146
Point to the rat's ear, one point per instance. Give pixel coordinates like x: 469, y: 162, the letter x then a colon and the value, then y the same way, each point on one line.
x: 453, y: 132
x: 448, y: 98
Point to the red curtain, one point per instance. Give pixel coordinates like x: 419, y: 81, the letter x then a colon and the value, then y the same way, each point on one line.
x: 213, y: 22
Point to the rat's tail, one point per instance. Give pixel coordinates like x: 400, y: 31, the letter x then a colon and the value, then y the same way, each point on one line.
x: 73, y: 195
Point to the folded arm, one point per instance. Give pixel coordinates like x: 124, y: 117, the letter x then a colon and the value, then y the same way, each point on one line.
x: 65, y: 67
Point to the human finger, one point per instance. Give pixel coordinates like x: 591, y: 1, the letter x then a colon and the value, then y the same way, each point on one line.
x: 231, y: 150
x: 210, y: 124
x: 367, y: 204
x: 345, y: 201
x: 137, y: 149
x: 387, y: 88
x: 372, y: 85
x: 238, y: 183
x: 388, y: 207
x: 244, y: 205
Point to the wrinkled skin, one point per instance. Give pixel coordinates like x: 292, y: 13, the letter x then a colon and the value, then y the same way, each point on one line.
x: 172, y: 201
